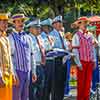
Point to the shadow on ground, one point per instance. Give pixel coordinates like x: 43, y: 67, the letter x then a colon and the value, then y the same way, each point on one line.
x: 69, y: 98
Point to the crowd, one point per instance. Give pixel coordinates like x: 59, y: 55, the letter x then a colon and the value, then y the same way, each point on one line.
x: 35, y: 64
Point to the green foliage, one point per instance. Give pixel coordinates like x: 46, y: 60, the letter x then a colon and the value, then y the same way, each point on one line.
x: 70, y: 9
x: 41, y: 9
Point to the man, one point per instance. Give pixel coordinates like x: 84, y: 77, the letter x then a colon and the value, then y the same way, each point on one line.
x: 47, y: 38
x: 56, y: 33
x: 49, y: 69
x: 85, y: 58
x: 60, y: 68
x: 37, y: 89
x: 5, y: 61
x: 68, y: 37
x: 23, y: 58
x: 95, y: 76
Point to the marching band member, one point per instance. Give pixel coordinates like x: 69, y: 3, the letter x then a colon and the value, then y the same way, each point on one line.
x: 23, y: 58
x: 47, y: 38
x: 68, y: 37
x: 37, y: 89
x: 46, y: 26
x: 60, y: 68
x: 95, y: 76
x: 85, y: 58
x: 57, y: 24
x: 5, y: 61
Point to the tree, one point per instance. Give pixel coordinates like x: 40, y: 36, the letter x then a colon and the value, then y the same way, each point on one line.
x: 46, y: 8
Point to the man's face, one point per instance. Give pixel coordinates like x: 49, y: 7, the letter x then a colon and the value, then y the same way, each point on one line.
x: 19, y: 23
x: 80, y: 24
x: 83, y: 25
x: 45, y: 29
x: 58, y: 25
x: 35, y: 30
x: 3, y: 25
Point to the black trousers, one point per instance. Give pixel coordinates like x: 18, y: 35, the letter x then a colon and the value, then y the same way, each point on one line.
x: 36, y: 90
x: 49, y: 78
x: 55, y: 73
x: 59, y: 79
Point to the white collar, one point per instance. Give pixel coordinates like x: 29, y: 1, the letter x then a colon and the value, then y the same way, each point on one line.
x: 55, y: 30
x: 17, y: 31
x: 80, y: 30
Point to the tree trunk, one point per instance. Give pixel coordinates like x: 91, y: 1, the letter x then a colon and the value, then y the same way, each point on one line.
x: 91, y: 11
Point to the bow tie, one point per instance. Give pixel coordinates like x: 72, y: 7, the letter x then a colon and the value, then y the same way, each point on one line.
x: 85, y: 31
x: 21, y: 33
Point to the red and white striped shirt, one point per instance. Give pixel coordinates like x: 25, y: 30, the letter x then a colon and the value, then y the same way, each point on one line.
x: 86, y: 50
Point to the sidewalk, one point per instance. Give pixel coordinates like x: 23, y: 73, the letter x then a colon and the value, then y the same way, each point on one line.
x: 73, y: 84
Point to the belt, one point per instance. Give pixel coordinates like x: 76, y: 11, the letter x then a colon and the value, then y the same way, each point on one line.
x: 38, y: 63
x: 49, y: 58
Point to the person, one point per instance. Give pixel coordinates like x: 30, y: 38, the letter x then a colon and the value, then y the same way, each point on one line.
x: 6, y: 68
x: 46, y: 26
x: 68, y: 37
x: 36, y: 90
x: 60, y: 67
x: 85, y: 58
x: 60, y: 41
x: 23, y: 59
x: 95, y: 76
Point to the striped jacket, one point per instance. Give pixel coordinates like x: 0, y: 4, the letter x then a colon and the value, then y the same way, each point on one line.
x: 27, y: 62
x: 6, y: 68
x: 83, y: 48
x: 86, y: 50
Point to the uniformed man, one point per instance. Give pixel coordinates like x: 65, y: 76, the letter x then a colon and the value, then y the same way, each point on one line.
x: 57, y: 24
x: 47, y: 38
x: 36, y: 89
x: 23, y: 58
x: 60, y: 68
x: 49, y: 69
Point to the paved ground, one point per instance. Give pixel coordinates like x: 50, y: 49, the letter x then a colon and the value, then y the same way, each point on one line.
x: 73, y: 84
x: 70, y: 98
x: 73, y: 92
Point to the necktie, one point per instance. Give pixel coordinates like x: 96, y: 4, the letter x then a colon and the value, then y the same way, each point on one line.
x: 49, y: 40
x: 85, y: 31
x: 42, y: 50
x: 62, y: 42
